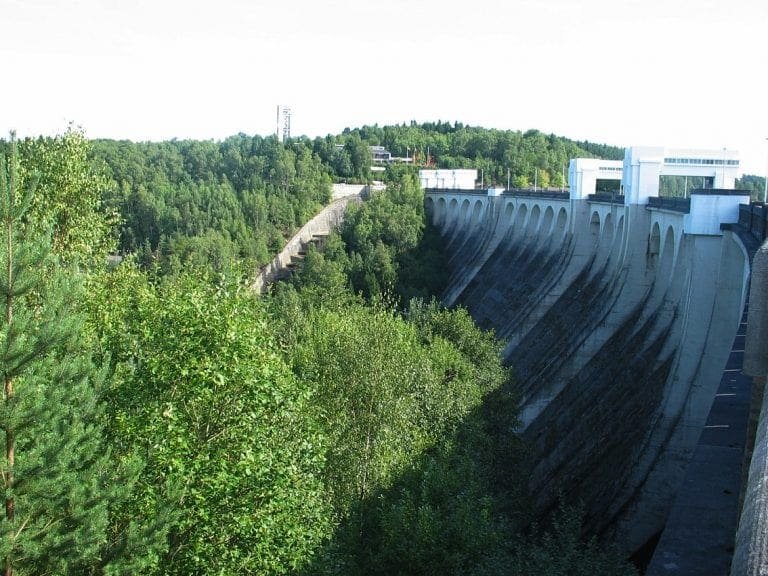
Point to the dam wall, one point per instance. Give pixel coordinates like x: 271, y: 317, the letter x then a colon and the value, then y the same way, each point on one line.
x: 619, y: 314
x: 751, y: 547
x: 319, y: 226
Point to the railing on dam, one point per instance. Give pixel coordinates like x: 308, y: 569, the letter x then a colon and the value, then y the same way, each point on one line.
x: 516, y: 192
x: 473, y: 191
x: 754, y: 217
x: 607, y: 197
x: 674, y: 204
x: 532, y: 193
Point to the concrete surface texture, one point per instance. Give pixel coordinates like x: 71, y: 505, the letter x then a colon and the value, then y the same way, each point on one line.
x: 619, y: 324
x: 751, y: 548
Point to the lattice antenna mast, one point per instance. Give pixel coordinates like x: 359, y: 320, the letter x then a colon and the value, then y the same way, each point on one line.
x: 283, y: 123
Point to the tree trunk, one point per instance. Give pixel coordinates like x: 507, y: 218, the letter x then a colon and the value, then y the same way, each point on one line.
x: 10, y: 439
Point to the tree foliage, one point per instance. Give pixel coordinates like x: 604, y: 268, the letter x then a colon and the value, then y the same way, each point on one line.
x: 393, y: 396
x: 59, y: 479
x: 383, y: 393
x: 68, y: 200
x: 185, y: 203
x: 200, y: 387
x: 498, y: 153
x: 755, y: 185
x: 385, y: 245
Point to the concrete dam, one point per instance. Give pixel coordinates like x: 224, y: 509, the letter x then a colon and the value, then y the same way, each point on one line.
x: 622, y: 315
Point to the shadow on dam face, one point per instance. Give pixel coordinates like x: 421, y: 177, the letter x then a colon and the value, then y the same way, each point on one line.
x: 617, y: 330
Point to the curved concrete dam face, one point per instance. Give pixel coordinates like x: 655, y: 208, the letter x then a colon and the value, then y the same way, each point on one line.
x: 619, y: 323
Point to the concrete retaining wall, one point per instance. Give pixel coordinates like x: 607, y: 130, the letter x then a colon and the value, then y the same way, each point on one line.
x: 321, y: 225
x: 751, y: 552
x: 344, y: 190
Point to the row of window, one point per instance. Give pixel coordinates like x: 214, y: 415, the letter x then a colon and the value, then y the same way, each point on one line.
x: 702, y: 161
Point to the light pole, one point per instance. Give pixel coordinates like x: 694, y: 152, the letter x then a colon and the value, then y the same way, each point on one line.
x: 725, y: 150
x: 562, y: 180
x: 765, y: 184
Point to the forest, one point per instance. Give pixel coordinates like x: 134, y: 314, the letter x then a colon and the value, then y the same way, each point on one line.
x: 160, y: 418
x: 231, y: 205
x: 520, y: 158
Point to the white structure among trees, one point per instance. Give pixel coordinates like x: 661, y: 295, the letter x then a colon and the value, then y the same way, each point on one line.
x: 448, y: 179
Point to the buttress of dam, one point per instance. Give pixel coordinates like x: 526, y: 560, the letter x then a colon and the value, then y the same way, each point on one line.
x: 619, y: 314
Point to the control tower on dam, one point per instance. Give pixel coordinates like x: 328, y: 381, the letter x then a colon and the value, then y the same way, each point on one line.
x: 620, y: 312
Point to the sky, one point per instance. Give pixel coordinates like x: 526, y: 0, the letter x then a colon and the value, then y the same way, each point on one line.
x: 674, y: 73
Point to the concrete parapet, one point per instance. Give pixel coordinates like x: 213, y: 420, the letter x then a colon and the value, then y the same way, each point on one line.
x: 321, y: 225
x: 756, y: 351
x: 750, y: 556
x: 345, y: 190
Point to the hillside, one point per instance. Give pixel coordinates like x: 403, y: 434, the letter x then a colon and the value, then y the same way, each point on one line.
x: 231, y: 205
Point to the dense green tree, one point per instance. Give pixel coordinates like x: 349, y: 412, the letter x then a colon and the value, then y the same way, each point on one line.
x: 385, y: 395
x: 237, y: 200
x: 495, y: 152
x: 360, y: 158
x: 755, y: 185
x: 559, y: 550
x: 199, y: 386
x: 381, y: 234
x: 68, y: 198
x: 58, y: 475
x: 326, y: 275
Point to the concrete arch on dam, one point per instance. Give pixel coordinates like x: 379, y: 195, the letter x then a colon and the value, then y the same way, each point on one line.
x: 436, y: 211
x: 442, y: 212
x: 521, y: 218
x: 611, y: 244
x: 452, y: 213
x: 509, y: 214
x: 429, y: 209
x: 667, y: 221
x: 477, y: 213
x: 607, y: 213
x: 457, y: 213
x: 594, y: 227
x: 533, y: 221
x: 619, y: 237
x: 544, y: 219
x: 661, y: 256
x: 464, y: 212
x: 561, y: 224
x: 654, y: 246
x: 607, y: 233
x: 547, y: 222
x: 668, y: 255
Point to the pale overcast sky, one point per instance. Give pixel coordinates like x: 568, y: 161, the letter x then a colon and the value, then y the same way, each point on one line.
x: 687, y: 73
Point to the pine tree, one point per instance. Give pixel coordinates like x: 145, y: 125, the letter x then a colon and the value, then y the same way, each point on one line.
x: 56, y: 474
